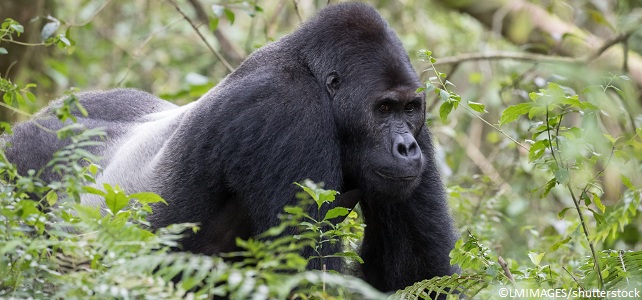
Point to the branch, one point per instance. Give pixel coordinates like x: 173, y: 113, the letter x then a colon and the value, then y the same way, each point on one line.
x: 226, y: 46
x: 622, y: 38
x: 504, y: 266
x: 214, y: 51
x: 569, y: 39
x: 505, y: 55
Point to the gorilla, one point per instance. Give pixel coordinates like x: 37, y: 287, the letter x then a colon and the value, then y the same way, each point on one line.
x: 335, y: 102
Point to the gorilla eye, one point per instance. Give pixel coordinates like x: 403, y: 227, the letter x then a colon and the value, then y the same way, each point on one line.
x: 410, y: 107
x: 384, y: 108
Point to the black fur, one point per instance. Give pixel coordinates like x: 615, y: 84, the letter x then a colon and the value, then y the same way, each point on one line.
x: 334, y: 102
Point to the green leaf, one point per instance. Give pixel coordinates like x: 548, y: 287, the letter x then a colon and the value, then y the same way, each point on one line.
x: 213, y: 24
x: 556, y: 92
x: 31, y: 97
x: 478, y: 107
x: 293, y: 210
x: 147, y: 197
x: 93, y: 169
x: 599, y: 218
x: 315, y: 191
x: 561, y: 214
x: 350, y: 255
x: 443, y: 95
x: 562, y: 176
x: 93, y: 190
x: 336, y: 212
x: 229, y: 15
x: 52, y: 198
x: 560, y: 243
x: 537, y: 150
x: 547, y: 188
x: 64, y: 41
x: 17, y: 27
x: 3, y: 50
x: 535, y: 257
x: 627, y: 182
x: 6, y: 127
x: 444, y: 110
x: 87, y: 212
x: 115, y: 198
x: 511, y: 113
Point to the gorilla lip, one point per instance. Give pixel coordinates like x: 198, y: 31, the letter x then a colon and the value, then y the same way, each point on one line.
x: 400, y: 178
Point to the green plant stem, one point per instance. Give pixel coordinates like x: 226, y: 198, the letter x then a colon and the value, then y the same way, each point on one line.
x: 11, y: 108
x: 576, y: 203
x: 22, y: 43
x: 470, y: 110
x: 495, y: 127
x: 586, y: 233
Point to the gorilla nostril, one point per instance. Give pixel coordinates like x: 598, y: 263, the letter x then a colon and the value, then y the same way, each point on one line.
x: 405, y: 147
x: 412, y: 149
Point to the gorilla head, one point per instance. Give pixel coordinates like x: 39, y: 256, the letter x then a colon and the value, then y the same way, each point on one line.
x: 372, y: 90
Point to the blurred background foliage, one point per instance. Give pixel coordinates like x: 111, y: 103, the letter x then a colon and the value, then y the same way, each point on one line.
x: 496, y: 53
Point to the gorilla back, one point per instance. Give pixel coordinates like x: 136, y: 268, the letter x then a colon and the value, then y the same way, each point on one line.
x: 334, y: 102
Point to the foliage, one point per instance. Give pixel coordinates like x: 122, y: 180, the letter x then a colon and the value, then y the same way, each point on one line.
x: 542, y: 165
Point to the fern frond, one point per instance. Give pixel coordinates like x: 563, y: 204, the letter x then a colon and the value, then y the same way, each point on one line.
x: 445, y: 285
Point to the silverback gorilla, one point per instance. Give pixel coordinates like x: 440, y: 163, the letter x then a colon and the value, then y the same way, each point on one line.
x: 334, y: 102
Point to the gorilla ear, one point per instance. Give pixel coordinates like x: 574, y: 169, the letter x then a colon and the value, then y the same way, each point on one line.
x: 332, y: 83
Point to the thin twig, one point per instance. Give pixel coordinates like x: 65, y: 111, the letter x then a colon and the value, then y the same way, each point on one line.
x: 226, y: 46
x: 296, y: 9
x: 138, y: 51
x: 575, y: 279
x: 9, y: 107
x: 496, y: 128
x: 622, y: 38
x: 13, y: 63
x: 504, y: 266
x: 93, y: 16
x: 576, y: 202
x: 586, y: 233
x: 12, y: 41
x: 214, y: 51
x: 502, y: 55
x: 550, y: 140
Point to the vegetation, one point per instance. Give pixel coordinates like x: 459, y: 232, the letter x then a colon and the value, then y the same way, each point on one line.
x: 538, y: 132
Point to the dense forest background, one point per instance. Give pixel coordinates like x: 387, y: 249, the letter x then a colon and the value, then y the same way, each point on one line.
x: 536, y: 107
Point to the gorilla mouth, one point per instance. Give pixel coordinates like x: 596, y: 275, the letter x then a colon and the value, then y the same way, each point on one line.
x: 398, y: 178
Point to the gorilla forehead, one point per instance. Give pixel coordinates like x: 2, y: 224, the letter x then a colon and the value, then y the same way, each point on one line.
x: 350, y: 36
x: 348, y: 20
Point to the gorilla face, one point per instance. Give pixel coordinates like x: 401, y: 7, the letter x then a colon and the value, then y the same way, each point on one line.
x: 379, y: 130
x: 394, y: 162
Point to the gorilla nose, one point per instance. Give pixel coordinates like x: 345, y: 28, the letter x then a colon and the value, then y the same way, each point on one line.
x: 405, y: 148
